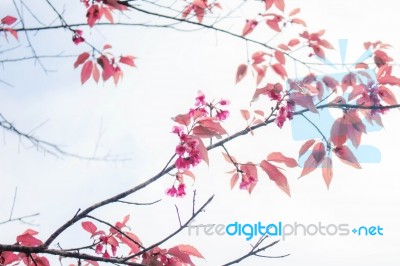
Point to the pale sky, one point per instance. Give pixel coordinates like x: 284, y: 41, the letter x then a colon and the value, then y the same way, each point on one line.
x: 134, y: 118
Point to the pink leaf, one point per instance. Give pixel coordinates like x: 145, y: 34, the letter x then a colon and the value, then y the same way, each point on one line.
x: 280, y: 57
x: 276, y: 176
x: 28, y: 239
x: 314, y: 160
x: 293, y: 42
x: 387, y: 95
x: 294, y: 12
x: 81, y: 59
x: 327, y: 171
x: 128, y: 60
x: 280, y: 158
x: 86, y: 71
x: 241, y: 72
x: 90, y: 227
x: 249, y: 27
x: 280, y: 70
x: 234, y: 179
x: 346, y: 156
x: 299, y: 21
x: 306, y: 146
x: 245, y: 114
x: 203, y: 151
x: 8, y: 20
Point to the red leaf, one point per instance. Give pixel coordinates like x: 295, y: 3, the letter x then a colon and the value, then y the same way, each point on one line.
x: 209, y: 125
x: 314, y: 160
x: 81, y: 59
x: 346, y: 156
x: 183, y: 253
x: 260, y: 72
x: 348, y: 80
x: 280, y: 57
x: 330, y: 82
x: 234, y: 180
x: 304, y: 100
x: 387, y: 95
x: 245, y: 114
x: 90, y: 227
x: 93, y: 14
x: 276, y: 176
x: 339, y: 132
x: 318, y: 51
x: 107, y: 46
x: 250, y: 170
x: 133, y: 245
x: 200, y: 12
x: 283, y: 47
x: 299, y: 21
x: 280, y: 70
x: 14, y: 33
x: 229, y: 159
x: 293, y: 42
x: 8, y: 257
x: 306, y: 146
x: 274, y: 23
x: 96, y: 73
x: 249, y: 26
x: 327, y: 171
x: 128, y: 60
x: 8, y: 20
x: 294, y: 12
x: 107, y: 13
x: 280, y: 4
x: 280, y: 158
x: 28, y: 239
x: 183, y: 119
x: 241, y: 72
x: 203, y: 151
x: 86, y: 71
x: 362, y: 65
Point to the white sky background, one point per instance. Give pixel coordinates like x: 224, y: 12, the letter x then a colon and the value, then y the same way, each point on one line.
x: 135, y: 118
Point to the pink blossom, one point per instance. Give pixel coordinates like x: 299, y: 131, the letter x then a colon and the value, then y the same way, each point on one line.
x: 224, y: 102
x: 222, y: 115
x: 171, y: 191
x: 200, y: 99
x: 181, y: 190
x: 180, y: 150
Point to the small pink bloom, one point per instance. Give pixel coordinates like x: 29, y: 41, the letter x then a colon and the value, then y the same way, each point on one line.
x: 182, y: 164
x: 222, y: 115
x: 177, y: 130
x: 171, y: 191
x: 224, y: 102
x: 200, y: 99
x: 181, y: 190
x: 180, y: 150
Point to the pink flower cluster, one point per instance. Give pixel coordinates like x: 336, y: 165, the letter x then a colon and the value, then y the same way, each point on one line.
x: 187, y: 150
x: 276, y: 93
x: 77, y: 38
x: 285, y: 112
x: 247, y: 182
x: 201, y: 105
x: 173, y: 192
x: 373, y: 94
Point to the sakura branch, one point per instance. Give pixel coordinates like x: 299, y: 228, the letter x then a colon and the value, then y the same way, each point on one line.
x: 51, y: 148
x: 256, y: 250
x: 22, y: 219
